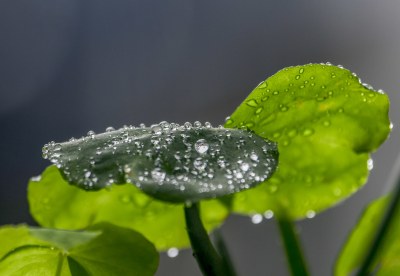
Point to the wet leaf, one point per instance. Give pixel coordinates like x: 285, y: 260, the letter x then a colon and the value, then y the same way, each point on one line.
x: 361, y: 238
x: 167, y: 161
x: 56, y: 204
x: 326, y: 123
x: 104, y: 249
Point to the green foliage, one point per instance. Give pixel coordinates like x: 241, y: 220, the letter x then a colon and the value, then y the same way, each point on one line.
x: 102, y: 249
x: 323, y: 121
x: 167, y: 161
x: 360, y: 241
x: 326, y: 123
x: 56, y: 204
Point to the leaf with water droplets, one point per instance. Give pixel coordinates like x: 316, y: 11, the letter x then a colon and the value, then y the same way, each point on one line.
x: 56, y: 204
x: 359, y: 242
x: 103, y: 249
x: 326, y: 122
x: 170, y: 162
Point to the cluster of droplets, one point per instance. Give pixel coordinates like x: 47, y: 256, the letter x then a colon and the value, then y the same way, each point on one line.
x: 167, y: 158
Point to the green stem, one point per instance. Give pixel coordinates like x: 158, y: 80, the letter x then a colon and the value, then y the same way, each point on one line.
x: 210, y: 263
x: 224, y: 252
x: 392, y: 209
x: 292, y: 247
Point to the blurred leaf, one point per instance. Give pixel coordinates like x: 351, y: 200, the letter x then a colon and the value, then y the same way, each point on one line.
x: 167, y: 161
x: 109, y: 250
x: 326, y: 123
x: 56, y: 204
x: 361, y: 238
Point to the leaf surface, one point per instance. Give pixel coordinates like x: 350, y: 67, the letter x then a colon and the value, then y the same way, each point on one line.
x: 326, y: 122
x: 104, y: 249
x: 167, y: 161
x: 56, y: 204
x: 361, y: 238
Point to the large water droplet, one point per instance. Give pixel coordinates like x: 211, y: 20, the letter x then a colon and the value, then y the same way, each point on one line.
x: 201, y: 146
x: 256, y: 219
x: 173, y: 252
x: 310, y: 214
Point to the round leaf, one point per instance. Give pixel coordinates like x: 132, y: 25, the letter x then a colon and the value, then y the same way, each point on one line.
x: 56, y: 204
x: 170, y: 162
x: 104, y: 249
x: 326, y: 123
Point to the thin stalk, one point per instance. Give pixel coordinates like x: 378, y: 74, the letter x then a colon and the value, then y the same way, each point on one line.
x: 293, y: 250
x: 224, y: 252
x: 394, y: 205
x: 210, y: 263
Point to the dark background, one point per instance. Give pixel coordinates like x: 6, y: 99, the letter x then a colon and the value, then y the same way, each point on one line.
x: 69, y: 66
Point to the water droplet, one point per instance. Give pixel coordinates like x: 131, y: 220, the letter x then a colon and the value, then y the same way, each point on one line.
x: 308, y: 132
x: 283, y: 108
x: 297, y: 77
x: 256, y: 219
x: 275, y: 93
x: 201, y: 146
x: 326, y: 123
x: 36, y: 178
x: 197, y: 124
x: 370, y: 164
x: 262, y: 84
x: 254, y: 156
x: 301, y: 71
x: 199, y: 164
x: 156, y: 129
x: 109, y: 129
x: 269, y: 214
x: 91, y: 134
x: 310, y: 214
x: 173, y: 252
x: 259, y: 110
x: 252, y: 103
x: 158, y: 175
x: 244, y: 167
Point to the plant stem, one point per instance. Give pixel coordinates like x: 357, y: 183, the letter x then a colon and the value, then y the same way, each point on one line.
x: 223, y: 251
x: 210, y: 263
x: 292, y: 247
x: 392, y: 209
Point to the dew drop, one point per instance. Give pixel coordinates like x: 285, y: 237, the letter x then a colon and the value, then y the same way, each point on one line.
x: 156, y: 129
x: 36, y: 178
x: 310, y: 214
x: 109, y: 129
x: 301, y: 71
x: 256, y: 219
x: 370, y: 164
x: 252, y: 103
x: 158, y: 175
x: 259, y: 110
x: 199, y: 164
x: 201, y: 146
x: 254, y: 156
x: 269, y: 214
x: 173, y: 252
x: 297, y: 77
x: 308, y: 132
x: 244, y: 167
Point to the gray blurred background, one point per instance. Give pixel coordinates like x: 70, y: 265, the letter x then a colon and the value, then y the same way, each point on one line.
x: 69, y: 66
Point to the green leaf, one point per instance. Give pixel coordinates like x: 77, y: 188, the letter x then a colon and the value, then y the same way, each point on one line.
x: 167, y: 161
x: 56, y: 204
x: 326, y: 123
x: 361, y: 238
x: 104, y: 249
